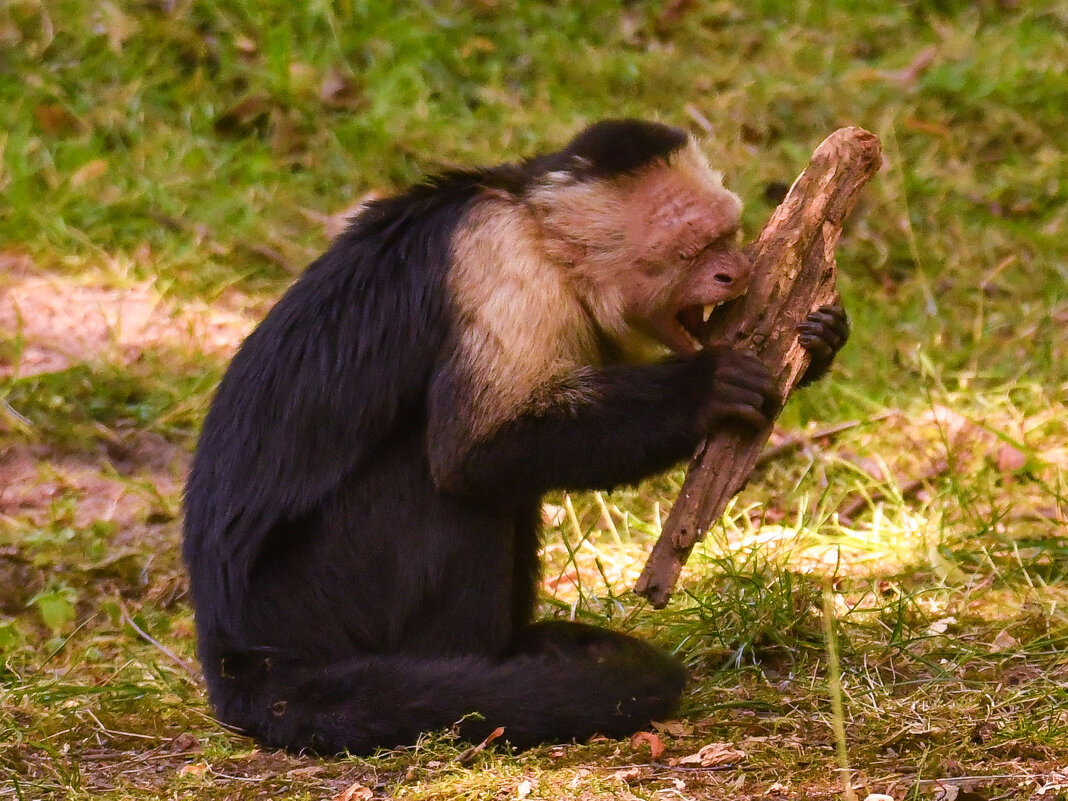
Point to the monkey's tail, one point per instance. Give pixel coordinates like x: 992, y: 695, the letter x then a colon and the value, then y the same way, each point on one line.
x: 384, y: 701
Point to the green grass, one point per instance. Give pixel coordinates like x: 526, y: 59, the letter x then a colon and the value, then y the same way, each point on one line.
x: 195, y: 148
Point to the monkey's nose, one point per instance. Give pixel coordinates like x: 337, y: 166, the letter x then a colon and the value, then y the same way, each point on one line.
x: 736, y: 271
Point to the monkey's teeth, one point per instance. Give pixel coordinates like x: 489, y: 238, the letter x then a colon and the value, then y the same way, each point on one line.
x: 706, y: 312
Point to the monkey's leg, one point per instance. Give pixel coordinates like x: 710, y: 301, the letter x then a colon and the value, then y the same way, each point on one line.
x: 567, y: 682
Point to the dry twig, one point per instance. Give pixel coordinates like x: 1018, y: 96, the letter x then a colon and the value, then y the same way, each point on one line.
x: 793, y: 274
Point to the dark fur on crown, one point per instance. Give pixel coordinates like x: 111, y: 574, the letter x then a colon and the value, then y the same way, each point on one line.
x: 611, y: 148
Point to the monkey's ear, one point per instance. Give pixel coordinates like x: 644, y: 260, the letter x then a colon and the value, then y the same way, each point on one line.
x: 613, y: 147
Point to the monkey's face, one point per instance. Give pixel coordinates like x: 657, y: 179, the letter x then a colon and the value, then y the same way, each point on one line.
x: 652, y: 254
x: 683, y: 235
x: 691, y: 306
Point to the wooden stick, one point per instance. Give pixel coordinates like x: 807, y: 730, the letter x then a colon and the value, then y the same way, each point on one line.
x: 794, y: 273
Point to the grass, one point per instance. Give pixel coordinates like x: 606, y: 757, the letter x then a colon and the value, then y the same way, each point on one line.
x: 192, y: 155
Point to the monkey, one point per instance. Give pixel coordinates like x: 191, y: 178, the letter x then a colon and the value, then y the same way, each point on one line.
x: 362, y: 513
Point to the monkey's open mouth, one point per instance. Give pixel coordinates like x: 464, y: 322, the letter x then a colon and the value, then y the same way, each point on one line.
x: 698, y: 322
x: 687, y: 330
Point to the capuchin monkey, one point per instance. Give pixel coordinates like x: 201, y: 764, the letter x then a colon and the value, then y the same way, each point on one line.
x: 361, y: 520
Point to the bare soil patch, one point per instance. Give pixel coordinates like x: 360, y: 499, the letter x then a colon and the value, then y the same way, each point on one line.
x: 54, y: 321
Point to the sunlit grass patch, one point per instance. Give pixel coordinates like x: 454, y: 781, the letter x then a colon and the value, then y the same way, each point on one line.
x: 167, y: 168
x: 948, y: 596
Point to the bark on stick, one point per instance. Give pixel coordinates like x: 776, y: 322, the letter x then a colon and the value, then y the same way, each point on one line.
x: 794, y: 273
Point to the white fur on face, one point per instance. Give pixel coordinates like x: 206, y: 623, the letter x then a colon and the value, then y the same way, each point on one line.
x: 535, y: 281
x: 625, y: 241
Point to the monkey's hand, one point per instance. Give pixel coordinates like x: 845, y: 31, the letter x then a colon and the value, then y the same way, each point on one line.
x: 822, y: 334
x: 741, y: 390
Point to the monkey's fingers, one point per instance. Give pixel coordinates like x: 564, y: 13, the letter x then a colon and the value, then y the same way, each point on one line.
x: 822, y: 334
x: 737, y: 413
x: 728, y: 402
x: 818, y: 348
x: 732, y: 394
x: 829, y: 333
x: 744, y: 370
x: 762, y: 386
x: 835, y: 310
x: 831, y: 319
x: 749, y: 416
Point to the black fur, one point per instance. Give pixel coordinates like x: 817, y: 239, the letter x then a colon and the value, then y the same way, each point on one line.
x: 614, y: 147
x: 360, y: 572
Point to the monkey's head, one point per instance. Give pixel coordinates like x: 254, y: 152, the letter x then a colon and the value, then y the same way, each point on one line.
x: 646, y: 230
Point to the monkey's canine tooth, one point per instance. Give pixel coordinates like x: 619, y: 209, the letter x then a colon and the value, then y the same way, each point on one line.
x: 706, y: 312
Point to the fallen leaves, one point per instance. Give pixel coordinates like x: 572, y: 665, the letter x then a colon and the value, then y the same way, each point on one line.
x: 89, y: 172
x: 185, y: 743
x: 248, y: 114
x: 57, y: 120
x: 712, y: 755
x: 656, y: 745
x: 339, y: 90
x: 674, y: 728
x: 1004, y: 642
x: 354, y: 792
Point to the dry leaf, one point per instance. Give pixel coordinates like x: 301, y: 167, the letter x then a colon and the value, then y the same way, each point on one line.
x: 89, y: 171
x: 476, y: 44
x: 878, y: 797
x: 553, y: 515
x: 673, y: 13
x: 244, y: 115
x: 117, y: 26
x: 245, y: 46
x: 628, y: 774
x: 305, y: 773
x: 339, y: 90
x: 185, y: 743
x: 1003, y: 642
x: 952, y: 422
x: 675, y: 728
x: 1009, y: 459
x: 54, y: 119
x: 941, y: 626
x: 908, y: 76
x: 288, y: 137
x: 302, y: 77
x: 354, y: 792
x: 714, y: 754
x: 656, y: 745
x: 523, y: 789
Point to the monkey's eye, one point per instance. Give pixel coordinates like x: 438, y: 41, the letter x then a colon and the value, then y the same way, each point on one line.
x: 726, y: 239
x: 694, y: 253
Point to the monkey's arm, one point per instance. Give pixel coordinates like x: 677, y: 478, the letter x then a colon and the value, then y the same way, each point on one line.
x: 630, y: 422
